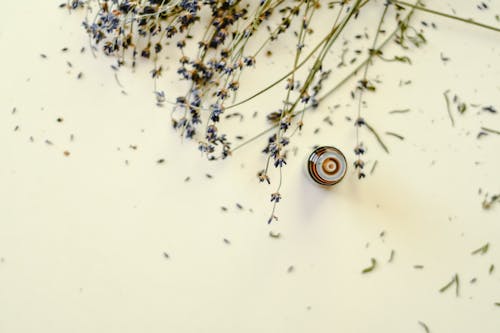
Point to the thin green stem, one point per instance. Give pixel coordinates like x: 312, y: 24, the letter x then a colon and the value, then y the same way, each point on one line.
x: 489, y: 130
x: 461, y: 19
x: 447, y: 99
x: 377, y: 136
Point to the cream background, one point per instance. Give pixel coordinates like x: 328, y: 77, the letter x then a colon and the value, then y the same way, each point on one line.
x: 82, y: 237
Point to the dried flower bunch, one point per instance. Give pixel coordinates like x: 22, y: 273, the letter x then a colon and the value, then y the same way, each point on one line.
x: 212, y: 61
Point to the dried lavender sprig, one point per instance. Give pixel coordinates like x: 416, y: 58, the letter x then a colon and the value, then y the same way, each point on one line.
x: 364, y: 85
x: 337, y: 86
x: 281, y: 143
x: 277, y: 142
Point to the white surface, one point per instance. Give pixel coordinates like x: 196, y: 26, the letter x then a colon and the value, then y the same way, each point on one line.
x: 82, y: 237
